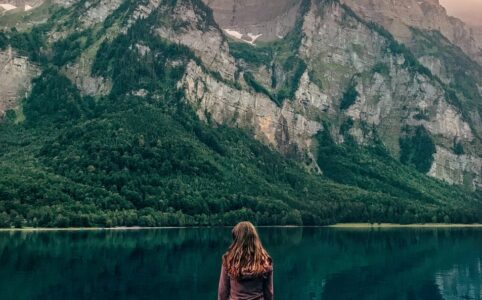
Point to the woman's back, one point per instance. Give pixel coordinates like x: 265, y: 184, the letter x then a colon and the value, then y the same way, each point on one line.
x: 254, y: 288
x: 247, y: 268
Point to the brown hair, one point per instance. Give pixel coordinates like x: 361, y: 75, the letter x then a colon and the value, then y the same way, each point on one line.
x: 246, y: 256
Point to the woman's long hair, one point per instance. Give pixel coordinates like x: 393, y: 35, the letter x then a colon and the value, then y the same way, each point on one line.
x: 246, y: 257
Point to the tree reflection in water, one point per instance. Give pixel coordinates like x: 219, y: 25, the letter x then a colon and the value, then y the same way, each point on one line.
x: 310, y: 263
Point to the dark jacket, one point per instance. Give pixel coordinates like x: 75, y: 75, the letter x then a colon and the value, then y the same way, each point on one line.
x: 258, y: 288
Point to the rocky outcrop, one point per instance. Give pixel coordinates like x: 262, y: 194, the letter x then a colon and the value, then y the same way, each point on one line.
x: 457, y: 169
x: 341, y: 51
x: 399, y: 16
x: 98, y: 11
x: 268, y: 20
x: 436, y: 66
x: 143, y: 10
x: 279, y: 127
x: 80, y: 74
x: 310, y: 100
x: 82, y: 16
x: 196, y: 32
x: 477, y: 33
x: 16, y: 74
x: 424, y: 104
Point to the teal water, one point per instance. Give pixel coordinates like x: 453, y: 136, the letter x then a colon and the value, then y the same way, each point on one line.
x: 310, y: 263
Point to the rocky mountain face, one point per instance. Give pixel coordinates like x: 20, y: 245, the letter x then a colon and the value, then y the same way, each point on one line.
x: 399, y: 16
x: 16, y: 74
x: 265, y: 20
x: 449, y: 48
x: 393, y: 93
x: 477, y: 33
x: 290, y: 69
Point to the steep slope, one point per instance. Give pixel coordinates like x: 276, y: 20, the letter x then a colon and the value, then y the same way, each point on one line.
x: 145, y: 114
x: 399, y: 16
x: 477, y: 32
x: 395, y: 92
x: 449, y: 52
x: 16, y: 74
x: 255, y: 19
x: 377, y: 83
x: 449, y: 49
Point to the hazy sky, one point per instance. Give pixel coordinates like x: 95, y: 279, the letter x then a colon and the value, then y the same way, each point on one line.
x: 467, y: 10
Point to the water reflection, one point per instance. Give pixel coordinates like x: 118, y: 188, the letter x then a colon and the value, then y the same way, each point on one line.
x: 310, y: 263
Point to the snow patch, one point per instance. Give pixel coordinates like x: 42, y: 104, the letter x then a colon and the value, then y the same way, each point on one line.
x: 28, y: 7
x: 253, y: 37
x: 249, y: 38
x: 234, y: 33
x: 7, y: 7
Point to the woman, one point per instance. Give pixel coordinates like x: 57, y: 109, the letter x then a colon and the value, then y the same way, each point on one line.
x: 247, y: 269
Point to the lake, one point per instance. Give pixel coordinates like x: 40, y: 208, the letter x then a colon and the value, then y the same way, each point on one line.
x: 310, y: 263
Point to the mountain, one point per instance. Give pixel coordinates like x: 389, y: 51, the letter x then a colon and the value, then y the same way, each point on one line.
x: 269, y: 20
x: 399, y: 16
x: 450, y: 49
x: 194, y: 112
x: 446, y: 74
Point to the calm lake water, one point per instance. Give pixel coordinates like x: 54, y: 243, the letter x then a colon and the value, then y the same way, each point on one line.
x: 310, y: 263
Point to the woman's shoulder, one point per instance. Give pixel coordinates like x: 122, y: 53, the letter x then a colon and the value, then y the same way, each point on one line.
x: 269, y: 267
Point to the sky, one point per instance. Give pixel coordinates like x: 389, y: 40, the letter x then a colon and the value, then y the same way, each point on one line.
x: 469, y: 11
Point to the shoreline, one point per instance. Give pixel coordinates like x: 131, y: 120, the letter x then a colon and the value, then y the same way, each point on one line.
x: 394, y: 225
x: 336, y: 226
